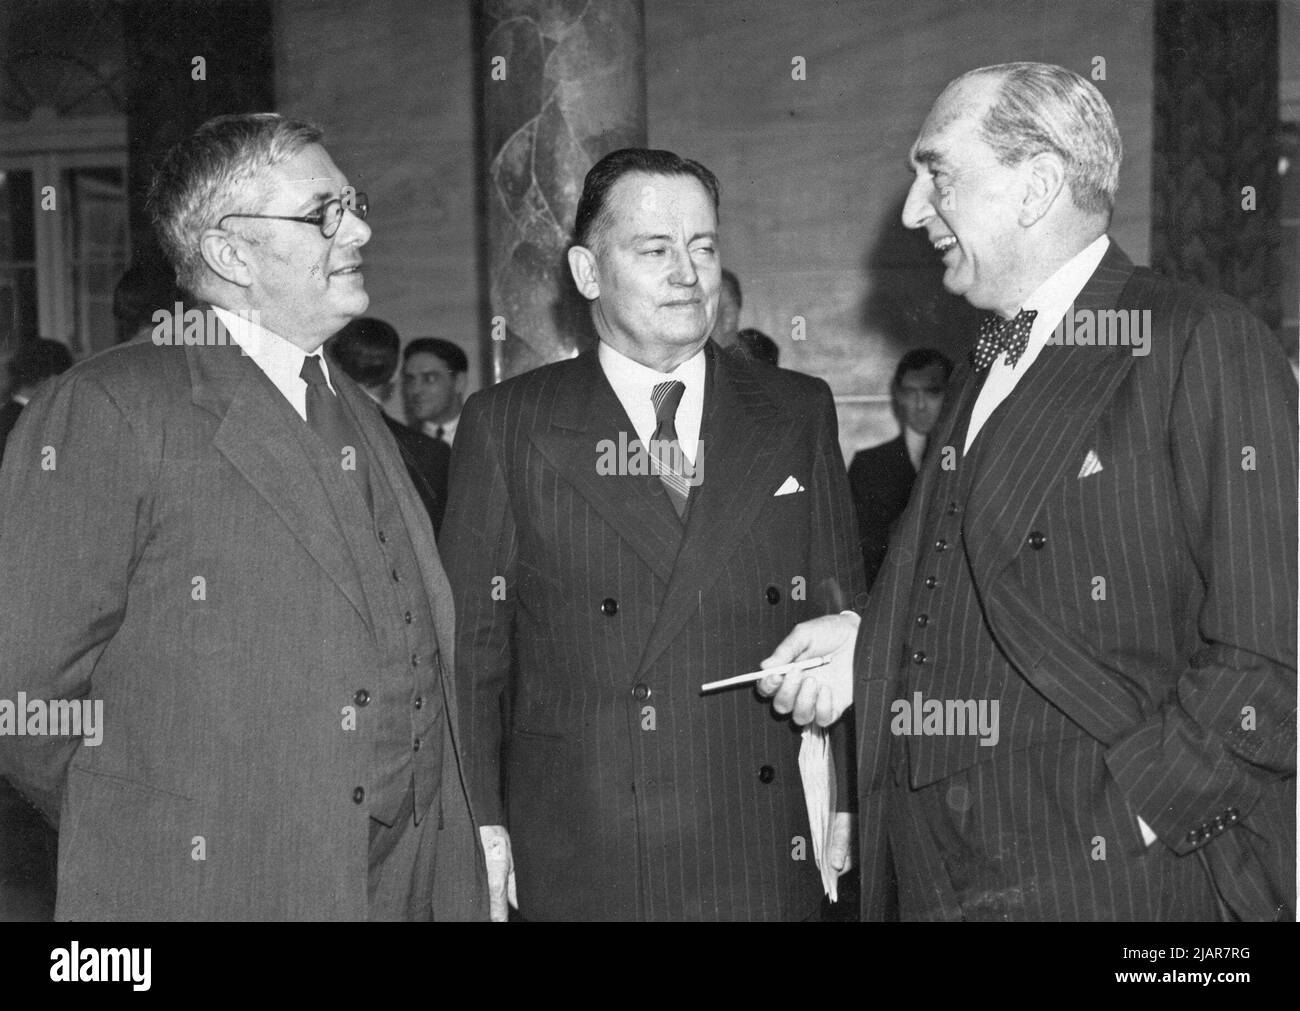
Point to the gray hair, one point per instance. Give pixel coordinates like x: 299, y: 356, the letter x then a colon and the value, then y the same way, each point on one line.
x: 1042, y: 107
x: 210, y: 173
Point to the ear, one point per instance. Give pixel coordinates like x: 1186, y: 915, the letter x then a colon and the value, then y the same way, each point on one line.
x: 224, y: 256
x: 458, y: 381
x: 582, y: 265
x: 1045, y: 182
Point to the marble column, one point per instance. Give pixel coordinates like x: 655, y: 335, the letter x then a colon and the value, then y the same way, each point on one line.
x: 563, y: 83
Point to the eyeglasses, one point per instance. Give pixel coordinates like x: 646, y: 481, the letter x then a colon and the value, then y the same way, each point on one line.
x: 327, y: 219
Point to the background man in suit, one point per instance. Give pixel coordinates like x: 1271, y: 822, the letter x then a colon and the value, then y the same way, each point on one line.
x: 881, y: 477
x: 1103, y: 544
x: 368, y: 350
x: 219, y: 543
x: 32, y: 363
x: 434, y: 373
x: 596, y: 593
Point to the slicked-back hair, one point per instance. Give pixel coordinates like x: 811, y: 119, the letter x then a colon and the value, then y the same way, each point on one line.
x: 592, y: 218
x: 1042, y: 107
x: 452, y: 354
x: 922, y: 358
x: 367, y: 349
x: 213, y: 172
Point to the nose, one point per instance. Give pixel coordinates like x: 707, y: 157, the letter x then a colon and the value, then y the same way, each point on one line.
x: 684, y: 272
x: 917, y: 209
x: 353, y: 229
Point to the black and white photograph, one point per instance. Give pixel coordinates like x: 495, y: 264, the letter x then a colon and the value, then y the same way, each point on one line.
x: 649, y: 461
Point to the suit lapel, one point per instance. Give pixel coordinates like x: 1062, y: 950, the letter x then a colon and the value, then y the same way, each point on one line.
x: 1038, y: 432
x: 586, y: 421
x: 745, y: 451
x: 263, y: 438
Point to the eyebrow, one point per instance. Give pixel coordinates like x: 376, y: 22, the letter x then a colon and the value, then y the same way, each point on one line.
x: 644, y: 237
x: 926, y: 156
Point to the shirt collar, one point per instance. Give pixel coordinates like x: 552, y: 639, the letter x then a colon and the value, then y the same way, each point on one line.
x: 624, y: 373
x: 279, y: 358
x: 1054, y: 296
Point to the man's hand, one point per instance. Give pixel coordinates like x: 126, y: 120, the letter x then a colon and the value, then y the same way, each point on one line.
x: 500, y: 871
x: 840, y: 850
x: 823, y: 693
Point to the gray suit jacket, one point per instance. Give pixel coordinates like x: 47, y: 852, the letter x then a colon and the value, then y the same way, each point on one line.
x: 168, y: 546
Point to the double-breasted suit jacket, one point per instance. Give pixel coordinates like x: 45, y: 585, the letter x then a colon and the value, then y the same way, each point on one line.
x: 589, y: 616
x: 1130, y: 530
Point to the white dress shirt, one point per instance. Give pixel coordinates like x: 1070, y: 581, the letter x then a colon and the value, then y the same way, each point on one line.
x: 277, y: 357
x: 1052, y: 299
x: 448, y: 429
x: 915, y: 443
x: 633, y: 384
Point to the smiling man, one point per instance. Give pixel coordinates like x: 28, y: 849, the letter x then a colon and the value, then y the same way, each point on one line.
x: 593, y: 600
x: 1101, y: 544
x: 221, y: 543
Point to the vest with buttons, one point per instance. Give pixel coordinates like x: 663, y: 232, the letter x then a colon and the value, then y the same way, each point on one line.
x: 950, y: 656
x: 406, y: 699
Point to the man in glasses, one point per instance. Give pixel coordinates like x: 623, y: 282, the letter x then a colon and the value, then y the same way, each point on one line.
x: 214, y: 556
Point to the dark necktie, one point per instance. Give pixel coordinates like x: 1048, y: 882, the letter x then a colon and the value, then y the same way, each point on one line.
x: 998, y: 335
x: 328, y: 418
x: 665, y: 450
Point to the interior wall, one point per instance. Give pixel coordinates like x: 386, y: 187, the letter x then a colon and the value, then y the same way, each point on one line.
x: 814, y: 171
x: 392, y: 84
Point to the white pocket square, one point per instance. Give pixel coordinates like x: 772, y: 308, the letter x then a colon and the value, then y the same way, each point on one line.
x: 1091, y: 465
x: 789, y: 487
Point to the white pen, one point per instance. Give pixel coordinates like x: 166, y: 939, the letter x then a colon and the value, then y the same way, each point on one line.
x: 786, y: 668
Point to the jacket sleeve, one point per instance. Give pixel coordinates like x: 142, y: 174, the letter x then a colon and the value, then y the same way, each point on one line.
x: 838, y: 581
x: 479, y: 549
x: 74, y: 516
x: 1229, y: 730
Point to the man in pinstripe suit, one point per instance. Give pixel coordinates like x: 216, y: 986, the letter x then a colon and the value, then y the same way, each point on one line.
x: 1102, y: 546
x: 597, y: 588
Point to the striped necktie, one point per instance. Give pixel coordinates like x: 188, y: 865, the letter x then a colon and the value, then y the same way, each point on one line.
x: 328, y: 418
x: 665, y: 450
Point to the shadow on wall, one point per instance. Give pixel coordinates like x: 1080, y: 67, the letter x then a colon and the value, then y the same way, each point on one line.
x: 905, y: 303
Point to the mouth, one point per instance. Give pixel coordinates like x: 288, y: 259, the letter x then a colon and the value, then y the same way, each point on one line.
x: 350, y: 269
x: 944, y: 243
x: 682, y: 303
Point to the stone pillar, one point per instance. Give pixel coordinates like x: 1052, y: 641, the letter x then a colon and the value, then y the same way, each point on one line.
x: 563, y: 83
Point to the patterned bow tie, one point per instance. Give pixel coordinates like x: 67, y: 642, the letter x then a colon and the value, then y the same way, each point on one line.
x: 998, y: 335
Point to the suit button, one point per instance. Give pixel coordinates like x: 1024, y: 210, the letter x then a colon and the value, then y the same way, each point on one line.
x: 940, y: 545
x: 609, y: 606
x: 1194, y: 837
x: 923, y: 620
x: 383, y: 537
x: 931, y: 582
x: 918, y: 658
x: 416, y: 745
x: 952, y: 509
x: 1219, y: 826
x: 1232, y: 815
x: 419, y: 702
x: 407, y: 617
x: 773, y: 595
x: 1037, y: 540
x: 396, y: 577
x: 415, y: 660
x: 358, y: 795
x: 641, y: 692
x: 766, y: 774
x: 362, y: 697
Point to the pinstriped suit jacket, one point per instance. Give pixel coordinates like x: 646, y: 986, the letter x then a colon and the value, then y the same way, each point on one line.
x: 1185, y: 672
x: 583, y: 604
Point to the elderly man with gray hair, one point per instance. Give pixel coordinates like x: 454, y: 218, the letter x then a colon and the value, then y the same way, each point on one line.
x: 212, y: 533
x: 1075, y: 680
